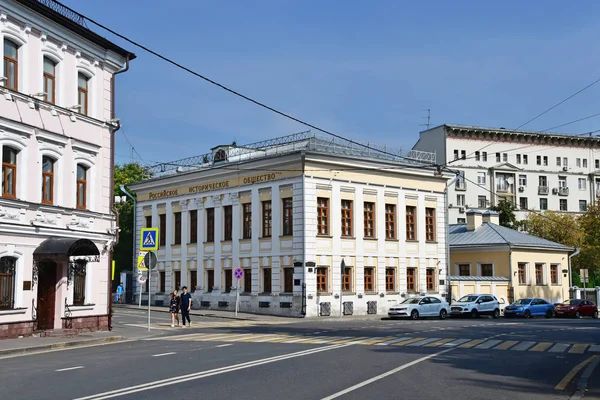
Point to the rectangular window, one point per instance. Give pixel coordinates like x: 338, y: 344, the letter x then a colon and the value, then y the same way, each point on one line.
x: 464, y: 270
x: 481, y: 178
x: 82, y: 93
x: 463, y: 154
x: 481, y: 201
x: 266, y: 220
x: 210, y: 225
x: 484, y: 156
x: 369, y: 279
x: 81, y: 187
x: 477, y: 156
x: 539, y: 274
x: 322, y: 285
x: 522, y: 272
x: 288, y: 217
x: 322, y: 216
x: 49, y: 80
x: 487, y: 270
x: 562, y: 181
x: 584, y: 162
x: 456, y: 154
x: 390, y: 221
x: 522, y: 180
x: 247, y: 280
x: 346, y: 218
x: 558, y: 159
x: 210, y: 280
x: 79, y: 285
x: 411, y: 229
x: 430, y: 275
x: 177, y: 280
x: 347, y: 280
x: 562, y: 204
x: 460, y: 200
x: 581, y: 184
x: 554, y: 274
x: 430, y: 224
x: 267, y: 280
x: 565, y: 162
x: 227, y: 223
x: 390, y: 280
x: 518, y: 159
x: 193, y: 281
x: 8, y: 266
x: 545, y: 160
x: 543, y: 203
x: 369, y: 219
x: 525, y: 159
x: 47, y: 180
x: 539, y: 160
x: 578, y: 162
x: 288, y: 280
x: 247, y: 216
x: 162, y: 282
x: 162, y: 230
x: 228, y: 279
x: 582, y: 205
x: 410, y: 279
x: 597, y: 164
x: 148, y: 221
x: 194, y: 226
x: 543, y: 181
x: 11, y: 65
x: 504, y: 157
x: 177, y: 218
x: 498, y: 159
x: 523, y: 203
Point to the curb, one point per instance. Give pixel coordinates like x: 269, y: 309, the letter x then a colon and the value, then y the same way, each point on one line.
x: 582, y: 384
x: 61, y: 345
x: 197, y: 314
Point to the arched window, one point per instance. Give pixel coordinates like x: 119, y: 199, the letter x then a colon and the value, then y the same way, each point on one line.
x: 79, y: 272
x: 81, y: 186
x: 82, y: 92
x: 7, y: 282
x: 47, y: 180
x: 49, y: 80
x: 9, y: 172
x: 11, y: 65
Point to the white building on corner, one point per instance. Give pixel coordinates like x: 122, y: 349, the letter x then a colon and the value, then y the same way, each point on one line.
x: 57, y: 129
x: 535, y: 171
x: 288, y: 211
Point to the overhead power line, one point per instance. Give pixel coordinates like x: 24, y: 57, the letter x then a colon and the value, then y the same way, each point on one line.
x: 232, y: 91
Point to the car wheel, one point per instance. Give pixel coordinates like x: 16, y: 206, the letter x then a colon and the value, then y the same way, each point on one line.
x: 414, y: 314
x: 595, y: 316
x: 577, y: 314
x: 527, y: 314
x: 496, y: 314
x: 444, y: 314
x: 474, y: 314
x: 549, y: 314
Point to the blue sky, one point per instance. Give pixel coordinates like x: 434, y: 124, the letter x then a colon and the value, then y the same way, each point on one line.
x: 364, y: 70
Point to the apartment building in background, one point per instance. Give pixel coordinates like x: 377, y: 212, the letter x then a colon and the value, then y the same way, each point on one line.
x: 57, y: 129
x: 535, y: 171
x: 318, y: 227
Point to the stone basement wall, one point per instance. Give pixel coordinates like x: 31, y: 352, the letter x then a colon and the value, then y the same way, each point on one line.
x: 266, y: 305
x: 16, y: 329
x: 91, y: 323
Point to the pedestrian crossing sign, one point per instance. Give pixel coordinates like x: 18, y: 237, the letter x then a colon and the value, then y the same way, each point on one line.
x: 141, y: 265
x: 149, y: 239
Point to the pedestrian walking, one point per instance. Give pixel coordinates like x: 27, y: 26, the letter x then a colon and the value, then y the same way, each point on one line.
x: 120, y: 293
x: 186, y: 305
x: 174, y: 308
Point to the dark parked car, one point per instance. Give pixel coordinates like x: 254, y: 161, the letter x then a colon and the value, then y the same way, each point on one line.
x: 576, y: 308
x: 528, y: 308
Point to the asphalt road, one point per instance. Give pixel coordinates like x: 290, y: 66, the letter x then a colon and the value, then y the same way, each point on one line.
x: 347, y: 359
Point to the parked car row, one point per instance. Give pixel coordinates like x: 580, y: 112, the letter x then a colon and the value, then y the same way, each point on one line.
x: 474, y: 305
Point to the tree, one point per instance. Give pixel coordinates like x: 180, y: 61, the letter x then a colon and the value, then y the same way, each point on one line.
x: 507, y: 216
x: 123, y: 251
x: 555, y: 226
x: 590, y: 247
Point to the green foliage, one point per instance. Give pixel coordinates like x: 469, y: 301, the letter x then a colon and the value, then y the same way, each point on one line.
x: 506, y: 211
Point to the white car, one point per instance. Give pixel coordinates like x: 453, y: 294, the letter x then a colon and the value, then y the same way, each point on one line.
x: 474, y: 305
x: 417, y: 307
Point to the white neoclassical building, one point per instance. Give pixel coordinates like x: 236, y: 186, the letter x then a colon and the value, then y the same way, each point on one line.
x: 57, y: 126
x: 534, y: 170
x: 289, y: 212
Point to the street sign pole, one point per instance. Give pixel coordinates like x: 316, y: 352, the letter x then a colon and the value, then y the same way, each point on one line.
x: 149, y: 294
x: 149, y: 240
x: 238, y: 274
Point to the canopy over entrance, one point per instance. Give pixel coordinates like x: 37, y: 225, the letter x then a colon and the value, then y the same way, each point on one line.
x: 53, y: 248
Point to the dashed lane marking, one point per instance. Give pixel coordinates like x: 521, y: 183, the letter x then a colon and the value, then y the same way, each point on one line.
x: 543, y: 346
x: 471, y: 344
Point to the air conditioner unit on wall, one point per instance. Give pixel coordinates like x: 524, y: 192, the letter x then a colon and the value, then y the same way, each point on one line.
x: 555, y: 191
x: 461, y: 209
x: 521, y: 188
x: 565, y: 169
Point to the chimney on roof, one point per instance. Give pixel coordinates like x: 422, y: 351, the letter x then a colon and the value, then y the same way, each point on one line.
x: 474, y: 219
x: 491, y: 217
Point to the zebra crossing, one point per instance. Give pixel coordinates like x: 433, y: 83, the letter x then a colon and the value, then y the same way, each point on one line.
x: 393, y: 341
x: 211, y: 324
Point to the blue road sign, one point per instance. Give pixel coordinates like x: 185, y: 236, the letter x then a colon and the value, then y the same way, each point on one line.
x: 238, y: 273
x: 149, y: 239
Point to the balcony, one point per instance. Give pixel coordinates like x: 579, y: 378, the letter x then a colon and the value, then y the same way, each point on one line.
x: 461, y: 185
x: 543, y: 190
x: 563, y: 191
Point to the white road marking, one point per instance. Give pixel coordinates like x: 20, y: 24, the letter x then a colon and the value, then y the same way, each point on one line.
x: 163, y: 354
x: 594, y: 348
x: 224, y: 345
x: 422, y: 342
x: 302, y: 340
x: 488, y: 344
x: 559, y: 348
x: 69, y: 369
x: 366, y: 340
x: 457, y: 342
x: 403, y: 339
x: 204, y: 374
x: 384, y: 375
x: 523, y: 346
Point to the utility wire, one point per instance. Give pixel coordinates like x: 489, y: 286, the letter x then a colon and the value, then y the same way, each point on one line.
x: 232, y: 91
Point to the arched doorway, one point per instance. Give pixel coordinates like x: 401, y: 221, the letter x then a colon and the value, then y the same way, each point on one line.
x: 46, y: 294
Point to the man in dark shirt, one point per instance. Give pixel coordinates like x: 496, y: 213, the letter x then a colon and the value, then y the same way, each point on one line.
x: 186, y: 305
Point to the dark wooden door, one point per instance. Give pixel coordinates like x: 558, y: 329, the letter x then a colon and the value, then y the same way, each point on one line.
x: 46, y: 295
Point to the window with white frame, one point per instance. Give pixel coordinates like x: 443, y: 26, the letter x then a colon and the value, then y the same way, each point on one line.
x: 562, y: 181
x: 597, y: 164
x: 581, y: 184
x: 558, y: 159
x: 11, y: 65
x: 463, y: 154
x: 486, y: 269
x: 582, y: 205
x: 555, y: 274
x: 545, y: 160
x: 565, y: 162
x: 8, y: 266
x: 523, y: 273
x: 477, y: 156
x: 518, y: 159
x: 522, y: 180
x: 578, y: 162
x: 464, y: 269
x: 460, y: 200
x: 523, y: 203
x: 481, y: 178
x: 525, y: 159
x: 584, y: 162
x: 505, y: 157
x: 538, y: 160
x: 481, y: 201
x: 484, y: 156
x: 543, y: 203
x: 498, y: 155
x: 562, y: 204
x: 456, y: 154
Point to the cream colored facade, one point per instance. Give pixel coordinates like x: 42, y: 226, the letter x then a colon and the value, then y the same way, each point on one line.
x: 295, y: 270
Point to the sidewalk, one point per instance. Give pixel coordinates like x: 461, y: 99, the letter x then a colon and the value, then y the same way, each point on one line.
x: 593, y: 384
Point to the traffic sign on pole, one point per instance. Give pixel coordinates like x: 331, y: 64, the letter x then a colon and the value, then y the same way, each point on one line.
x: 238, y: 273
x: 141, y: 265
x: 149, y: 239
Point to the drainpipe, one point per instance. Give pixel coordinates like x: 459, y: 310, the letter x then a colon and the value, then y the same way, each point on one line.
x: 112, y: 179
x: 448, y: 287
x: 303, y: 160
x: 577, y: 251
x: 512, y: 277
